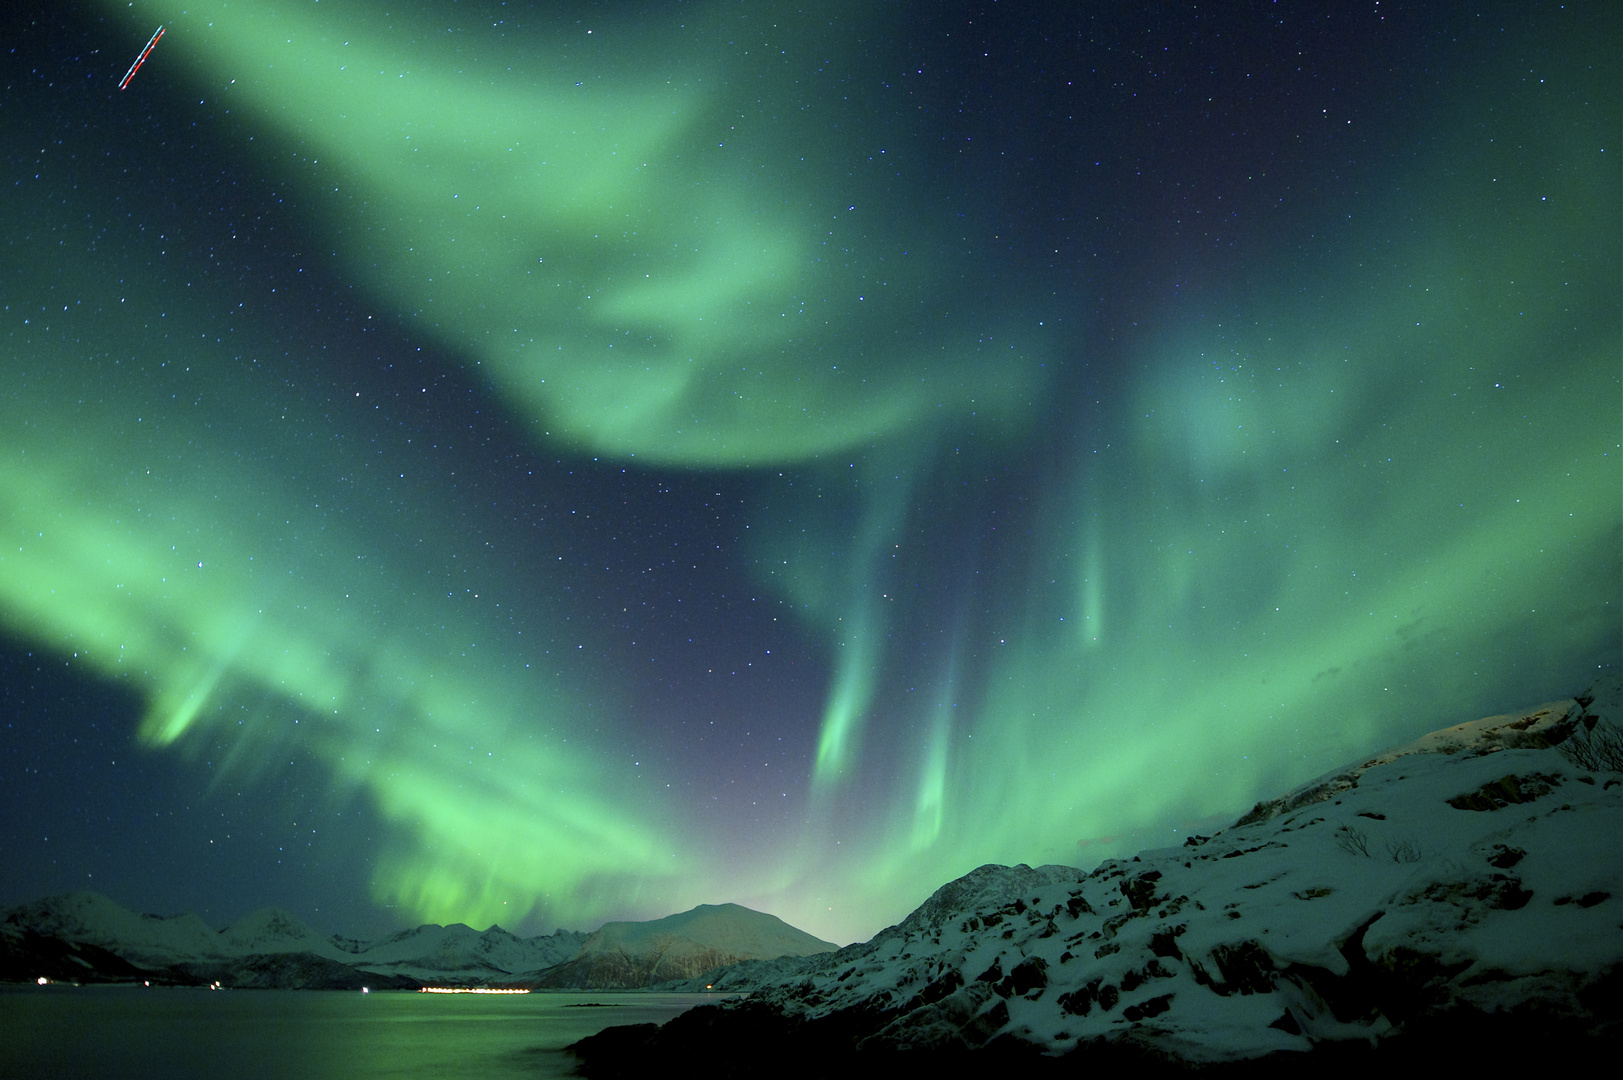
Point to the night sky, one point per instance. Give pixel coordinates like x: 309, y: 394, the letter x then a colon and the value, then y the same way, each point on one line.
x: 544, y: 463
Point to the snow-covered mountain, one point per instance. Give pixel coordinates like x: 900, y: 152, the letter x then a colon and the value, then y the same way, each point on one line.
x: 640, y: 954
x: 1471, y: 879
x: 462, y: 954
x: 271, y: 931
x: 85, y: 936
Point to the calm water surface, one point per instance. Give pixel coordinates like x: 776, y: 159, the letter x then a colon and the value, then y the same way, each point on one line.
x: 116, y: 1031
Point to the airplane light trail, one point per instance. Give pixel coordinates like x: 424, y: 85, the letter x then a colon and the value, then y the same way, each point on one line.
x: 139, y: 60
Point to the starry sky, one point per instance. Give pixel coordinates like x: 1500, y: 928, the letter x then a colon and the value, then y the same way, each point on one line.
x: 543, y: 463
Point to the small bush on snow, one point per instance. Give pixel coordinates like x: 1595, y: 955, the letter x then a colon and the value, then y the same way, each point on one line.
x: 1598, y: 749
x: 1353, y: 841
x: 1404, y: 850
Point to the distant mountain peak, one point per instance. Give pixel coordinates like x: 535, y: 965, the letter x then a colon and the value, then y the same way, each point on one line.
x: 680, y: 946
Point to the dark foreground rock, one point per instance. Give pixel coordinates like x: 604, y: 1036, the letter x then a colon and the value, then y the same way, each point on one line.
x: 757, y: 1041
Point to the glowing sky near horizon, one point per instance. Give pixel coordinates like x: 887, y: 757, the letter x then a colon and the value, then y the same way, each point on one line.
x: 553, y: 465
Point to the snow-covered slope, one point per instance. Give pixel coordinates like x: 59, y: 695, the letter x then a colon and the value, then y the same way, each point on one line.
x: 1478, y: 871
x: 639, y: 954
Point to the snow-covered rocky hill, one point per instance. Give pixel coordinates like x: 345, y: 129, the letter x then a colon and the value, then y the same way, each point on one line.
x: 1470, y: 880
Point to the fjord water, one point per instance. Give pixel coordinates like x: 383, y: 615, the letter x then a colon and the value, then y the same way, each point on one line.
x: 107, y: 1031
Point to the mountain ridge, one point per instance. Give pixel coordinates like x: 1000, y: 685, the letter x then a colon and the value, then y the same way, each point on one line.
x: 85, y: 936
x: 1466, y: 885
x: 684, y: 945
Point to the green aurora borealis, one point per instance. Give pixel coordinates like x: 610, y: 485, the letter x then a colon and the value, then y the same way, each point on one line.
x: 1068, y: 541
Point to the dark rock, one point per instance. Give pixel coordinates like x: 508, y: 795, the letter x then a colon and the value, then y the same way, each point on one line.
x: 1505, y: 791
x: 1246, y: 968
x: 1286, y: 1023
x: 1165, y: 943
x: 1080, y: 1002
x: 1154, y: 1006
x: 1134, y: 979
x: 1140, y: 891
x: 1505, y: 857
x: 1413, y: 983
x: 1029, y: 975
x: 943, y: 986
x: 987, y: 1024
